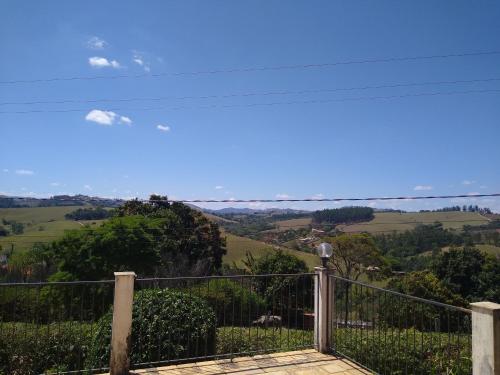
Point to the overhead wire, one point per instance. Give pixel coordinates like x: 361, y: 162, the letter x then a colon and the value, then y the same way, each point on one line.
x: 252, y: 69
x: 250, y: 94
x: 225, y: 106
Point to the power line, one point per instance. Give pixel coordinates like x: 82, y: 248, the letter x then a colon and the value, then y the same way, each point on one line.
x: 314, y: 101
x: 249, y: 94
x: 253, y: 69
x: 408, y: 198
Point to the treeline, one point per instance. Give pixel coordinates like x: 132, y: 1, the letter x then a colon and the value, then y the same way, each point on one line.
x: 419, y: 240
x: 343, y: 215
x: 464, y: 208
x: 97, y: 213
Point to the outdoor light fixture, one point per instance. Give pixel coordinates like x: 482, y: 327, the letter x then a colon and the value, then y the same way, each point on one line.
x: 325, y: 251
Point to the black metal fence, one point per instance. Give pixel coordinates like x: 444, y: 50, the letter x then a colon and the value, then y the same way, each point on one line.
x: 393, y: 333
x: 50, y: 327
x: 195, y: 318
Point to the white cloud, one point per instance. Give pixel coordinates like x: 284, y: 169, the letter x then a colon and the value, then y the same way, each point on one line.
x: 125, y: 120
x: 24, y: 172
x: 87, y: 187
x: 107, y: 117
x: 468, y: 182
x: 283, y: 196
x: 483, y: 187
x: 219, y: 187
x: 163, y: 128
x: 138, y: 59
x: 55, y: 184
x: 474, y: 193
x: 5, y: 170
x: 102, y: 62
x: 422, y: 187
x: 96, y: 43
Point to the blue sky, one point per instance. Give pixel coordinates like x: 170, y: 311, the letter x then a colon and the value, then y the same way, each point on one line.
x: 443, y: 144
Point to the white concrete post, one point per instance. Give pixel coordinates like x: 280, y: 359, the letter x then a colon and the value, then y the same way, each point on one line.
x: 119, y: 363
x: 322, y: 308
x: 485, y: 338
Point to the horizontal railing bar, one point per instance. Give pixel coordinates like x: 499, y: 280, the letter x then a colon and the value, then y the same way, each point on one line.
x: 227, y: 277
x: 423, y: 300
x: 44, y: 283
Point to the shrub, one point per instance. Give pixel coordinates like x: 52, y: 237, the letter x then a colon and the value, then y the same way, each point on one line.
x: 27, y: 348
x: 166, y: 324
x: 234, y: 302
x: 402, y: 351
x: 252, y: 340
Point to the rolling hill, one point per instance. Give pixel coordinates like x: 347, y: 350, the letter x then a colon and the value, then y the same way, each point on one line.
x: 238, y: 246
x: 394, y: 221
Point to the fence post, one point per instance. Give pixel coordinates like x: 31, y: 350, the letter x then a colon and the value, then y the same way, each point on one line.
x: 121, y: 331
x: 485, y: 338
x: 323, y: 303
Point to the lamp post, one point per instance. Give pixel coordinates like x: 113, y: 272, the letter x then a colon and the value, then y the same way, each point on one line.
x: 325, y: 251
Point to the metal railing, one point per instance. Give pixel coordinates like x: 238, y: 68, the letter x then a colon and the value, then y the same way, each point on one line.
x: 221, y: 317
x: 392, y: 333
x: 49, y: 327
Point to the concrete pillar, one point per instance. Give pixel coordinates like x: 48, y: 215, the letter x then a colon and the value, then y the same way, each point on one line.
x: 485, y: 338
x: 119, y: 363
x: 323, y: 303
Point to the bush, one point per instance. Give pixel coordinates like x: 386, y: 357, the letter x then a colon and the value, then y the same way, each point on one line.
x: 252, y: 340
x: 27, y: 349
x: 234, y: 303
x: 166, y: 324
x: 406, y: 351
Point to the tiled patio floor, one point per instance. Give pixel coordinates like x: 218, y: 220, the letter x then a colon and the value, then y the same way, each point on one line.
x: 303, y: 362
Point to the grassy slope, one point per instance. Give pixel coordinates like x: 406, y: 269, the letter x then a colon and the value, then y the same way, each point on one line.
x: 303, y: 222
x: 393, y: 221
x: 42, y: 224
x: 238, y: 246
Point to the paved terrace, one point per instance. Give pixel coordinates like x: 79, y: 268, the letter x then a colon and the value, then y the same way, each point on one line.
x: 303, y: 362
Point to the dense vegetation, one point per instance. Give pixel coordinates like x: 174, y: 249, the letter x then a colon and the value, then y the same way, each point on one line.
x: 343, y: 215
x: 97, y: 213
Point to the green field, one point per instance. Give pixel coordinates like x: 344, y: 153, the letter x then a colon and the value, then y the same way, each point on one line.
x: 303, y: 222
x: 41, y: 224
x: 238, y: 246
x: 393, y: 221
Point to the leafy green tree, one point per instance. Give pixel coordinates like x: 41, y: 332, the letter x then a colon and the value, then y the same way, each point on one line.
x: 352, y: 253
x: 152, y: 238
x: 425, y: 284
x: 489, y: 280
x: 278, y: 291
x: 459, y: 269
x: 343, y: 215
x: 401, y: 312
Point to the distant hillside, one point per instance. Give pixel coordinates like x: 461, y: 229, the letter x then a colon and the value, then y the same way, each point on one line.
x: 41, y: 224
x: 238, y: 246
x: 58, y: 200
x: 250, y: 211
x: 394, y: 221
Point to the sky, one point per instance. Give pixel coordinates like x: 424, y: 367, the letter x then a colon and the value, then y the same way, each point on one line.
x: 192, y: 115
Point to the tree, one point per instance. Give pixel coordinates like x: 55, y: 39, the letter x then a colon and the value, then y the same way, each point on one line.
x: 459, y: 269
x: 343, y: 215
x: 278, y: 291
x: 401, y: 312
x: 150, y: 238
x: 425, y: 284
x: 352, y: 253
